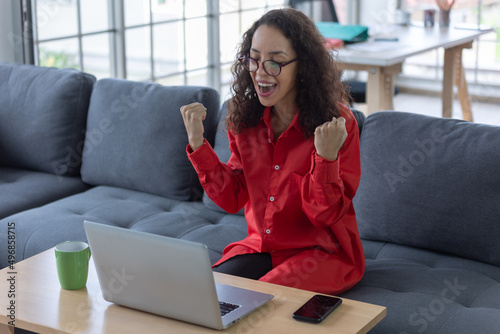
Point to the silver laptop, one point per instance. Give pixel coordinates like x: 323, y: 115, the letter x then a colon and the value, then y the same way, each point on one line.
x: 165, y: 276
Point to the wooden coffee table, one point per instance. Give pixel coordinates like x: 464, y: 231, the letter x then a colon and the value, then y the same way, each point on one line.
x: 42, y: 306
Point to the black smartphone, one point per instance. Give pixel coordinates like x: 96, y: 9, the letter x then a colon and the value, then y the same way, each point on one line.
x: 317, y: 308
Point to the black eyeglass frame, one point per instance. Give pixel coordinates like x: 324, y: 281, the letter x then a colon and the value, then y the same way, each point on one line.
x: 281, y: 65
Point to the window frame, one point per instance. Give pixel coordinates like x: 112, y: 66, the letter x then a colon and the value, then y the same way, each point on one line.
x: 117, y: 30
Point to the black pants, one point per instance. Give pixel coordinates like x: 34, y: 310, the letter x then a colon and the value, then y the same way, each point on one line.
x: 252, y: 266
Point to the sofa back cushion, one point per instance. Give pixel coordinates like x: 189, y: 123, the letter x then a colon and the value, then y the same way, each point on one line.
x: 432, y: 183
x: 136, y: 137
x: 360, y: 119
x: 43, y: 113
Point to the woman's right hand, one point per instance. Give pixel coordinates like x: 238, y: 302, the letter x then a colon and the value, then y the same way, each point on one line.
x: 193, y: 115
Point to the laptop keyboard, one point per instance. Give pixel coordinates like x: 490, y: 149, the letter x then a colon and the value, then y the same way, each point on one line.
x: 225, y: 308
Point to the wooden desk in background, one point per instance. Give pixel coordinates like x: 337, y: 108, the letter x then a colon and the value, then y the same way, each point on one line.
x: 383, y: 65
x: 43, y: 307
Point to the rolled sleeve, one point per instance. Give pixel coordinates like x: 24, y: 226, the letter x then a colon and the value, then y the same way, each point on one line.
x: 204, y: 158
x: 323, y: 170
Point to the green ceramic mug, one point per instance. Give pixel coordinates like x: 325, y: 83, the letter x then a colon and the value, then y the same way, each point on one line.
x: 72, y: 258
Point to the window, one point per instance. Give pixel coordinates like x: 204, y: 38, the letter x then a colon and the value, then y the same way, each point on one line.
x: 171, y: 42
x: 73, y: 34
x: 235, y: 18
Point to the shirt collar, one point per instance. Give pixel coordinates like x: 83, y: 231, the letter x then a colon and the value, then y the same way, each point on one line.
x: 266, y: 116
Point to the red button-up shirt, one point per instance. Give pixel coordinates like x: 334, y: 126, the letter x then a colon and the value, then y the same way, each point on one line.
x: 298, y: 205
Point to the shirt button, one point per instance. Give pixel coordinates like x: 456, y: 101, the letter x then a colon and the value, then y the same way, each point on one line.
x: 271, y: 199
x: 276, y: 167
x: 268, y: 231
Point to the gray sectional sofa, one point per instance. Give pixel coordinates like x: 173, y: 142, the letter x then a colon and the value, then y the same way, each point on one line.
x: 113, y: 151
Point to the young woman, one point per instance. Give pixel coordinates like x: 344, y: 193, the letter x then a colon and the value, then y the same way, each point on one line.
x: 294, y: 162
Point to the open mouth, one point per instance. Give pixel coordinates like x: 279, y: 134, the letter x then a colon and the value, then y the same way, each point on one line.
x: 266, y: 88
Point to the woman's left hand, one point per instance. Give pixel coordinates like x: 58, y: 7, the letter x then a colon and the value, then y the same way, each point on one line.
x: 329, y: 138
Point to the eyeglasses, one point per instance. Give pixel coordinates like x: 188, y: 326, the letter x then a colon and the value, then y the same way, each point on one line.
x: 270, y: 66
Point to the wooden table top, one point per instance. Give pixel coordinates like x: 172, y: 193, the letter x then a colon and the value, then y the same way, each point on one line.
x: 42, y: 306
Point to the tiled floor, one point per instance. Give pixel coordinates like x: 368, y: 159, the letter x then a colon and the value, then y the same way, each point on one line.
x: 482, y: 112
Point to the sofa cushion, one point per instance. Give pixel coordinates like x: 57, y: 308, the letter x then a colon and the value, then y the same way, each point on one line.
x: 23, y: 189
x: 431, y: 183
x: 360, y: 119
x: 43, y: 113
x: 428, y: 292
x: 136, y: 137
x: 44, y: 227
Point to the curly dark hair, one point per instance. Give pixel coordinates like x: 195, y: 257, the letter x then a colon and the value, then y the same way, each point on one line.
x: 319, y: 88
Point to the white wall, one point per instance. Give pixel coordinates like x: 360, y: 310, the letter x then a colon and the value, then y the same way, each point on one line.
x: 10, y: 31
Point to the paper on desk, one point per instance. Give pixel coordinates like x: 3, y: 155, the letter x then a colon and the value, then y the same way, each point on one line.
x: 469, y: 26
x: 374, y: 46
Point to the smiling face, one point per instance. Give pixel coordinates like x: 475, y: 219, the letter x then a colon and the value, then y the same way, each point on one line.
x: 269, y: 43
